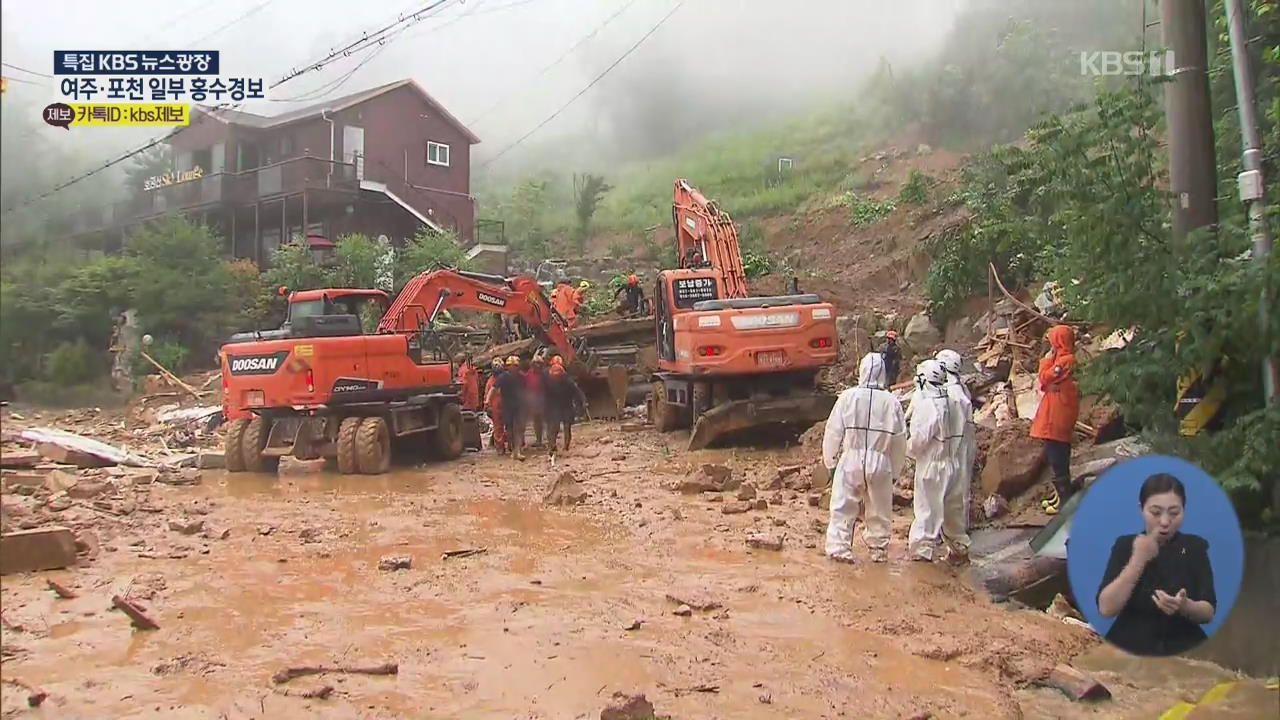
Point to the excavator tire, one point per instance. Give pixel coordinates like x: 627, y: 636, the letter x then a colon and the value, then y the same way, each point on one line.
x: 373, y: 446
x: 347, y: 430
x: 232, y: 451
x: 448, y: 438
x: 253, y: 442
x: 661, y: 414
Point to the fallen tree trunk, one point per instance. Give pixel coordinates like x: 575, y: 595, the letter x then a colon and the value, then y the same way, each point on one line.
x: 288, y: 674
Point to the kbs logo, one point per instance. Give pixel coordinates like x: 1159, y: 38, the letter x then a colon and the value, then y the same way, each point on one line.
x: 256, y: 364
x: 488, y: 299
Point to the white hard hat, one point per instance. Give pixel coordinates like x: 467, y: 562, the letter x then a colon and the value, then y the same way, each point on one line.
x: 930, y: 372
x: 950, y: 361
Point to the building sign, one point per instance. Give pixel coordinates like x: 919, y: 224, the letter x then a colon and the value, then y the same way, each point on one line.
x: 170, y: 178
x: 692, y: 290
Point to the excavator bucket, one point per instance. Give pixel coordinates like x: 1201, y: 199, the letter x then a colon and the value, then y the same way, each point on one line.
x: 739, y: 415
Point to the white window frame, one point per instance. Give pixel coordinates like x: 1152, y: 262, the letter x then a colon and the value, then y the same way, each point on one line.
x: 785, y: 164
x: 433, y: 145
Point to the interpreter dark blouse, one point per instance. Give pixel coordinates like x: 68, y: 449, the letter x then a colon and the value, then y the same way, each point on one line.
x: 1141, y: 627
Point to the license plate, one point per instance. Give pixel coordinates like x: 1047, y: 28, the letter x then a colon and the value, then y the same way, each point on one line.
x: 255, y: 398
x: 773, y: 358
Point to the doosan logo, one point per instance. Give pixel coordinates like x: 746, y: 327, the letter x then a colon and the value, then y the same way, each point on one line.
x: 257, y: 364
x: 485, y: 297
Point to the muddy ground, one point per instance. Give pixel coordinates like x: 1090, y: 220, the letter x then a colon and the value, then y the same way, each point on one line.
x: 567, y: 605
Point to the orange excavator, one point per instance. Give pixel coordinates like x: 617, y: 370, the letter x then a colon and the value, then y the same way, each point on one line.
x: 727, y: 361
x: 320, y: 387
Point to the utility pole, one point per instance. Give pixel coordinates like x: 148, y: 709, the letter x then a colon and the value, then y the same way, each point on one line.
x: 1192, y: 167
x: 1250, y: 179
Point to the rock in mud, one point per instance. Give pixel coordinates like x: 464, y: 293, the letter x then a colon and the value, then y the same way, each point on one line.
x: 994, y: 506
x: 141, y: 476
x: 290, y: 465
x: 777, y: 498
x: 715, y: 498
x: 58, y: 503
x: 627, y: 707
x: 824, y: 500
x: 920, y: 333
x: 186, y: 526
x: 709, y: 478
x: 565, y: 491
x: 735, y: 508
x: 747, y: 492
x: 60, y: 481
x: 184, y: 476
x: 683, y: 611
x: 1013, y: 462
x: 88, y: 489
x: 814, y: 499
x: 763, y: 541
x: 633, y: 625
x: 819, y: 477
x: 395, y: 562
x: 760, y: 504
x: 15, y: 480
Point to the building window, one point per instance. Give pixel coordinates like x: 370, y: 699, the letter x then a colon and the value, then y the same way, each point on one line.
x: 437, y: 154
x: 785, y: 164
x: 286, y: 147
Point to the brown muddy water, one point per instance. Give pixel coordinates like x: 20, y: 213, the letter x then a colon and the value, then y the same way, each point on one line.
x: 535, y: 627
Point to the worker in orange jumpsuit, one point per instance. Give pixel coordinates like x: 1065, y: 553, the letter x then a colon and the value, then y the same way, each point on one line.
x: 1056, y: 416
x: 564, y: 299
x: 493, y: 404
x: 469, y: 379
x: 579, y: 299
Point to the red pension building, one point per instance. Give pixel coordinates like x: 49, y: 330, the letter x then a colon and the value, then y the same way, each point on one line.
x: 386, y: 161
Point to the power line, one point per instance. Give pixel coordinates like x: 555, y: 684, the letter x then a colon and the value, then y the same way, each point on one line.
x: 247, y: 14
x: 481, y: 116
x: 583, y: 91
x: 334, y: 85
x: 11, y: 66
x: 26, y: 82
x: 366, y: 40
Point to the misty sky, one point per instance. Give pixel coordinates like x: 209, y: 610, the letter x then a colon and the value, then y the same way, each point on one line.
x: 713, y: 64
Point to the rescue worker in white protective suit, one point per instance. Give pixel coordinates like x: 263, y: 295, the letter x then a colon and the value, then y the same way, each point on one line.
x: 934, y: 438
x: 955, y: 519
x: 866, y: 432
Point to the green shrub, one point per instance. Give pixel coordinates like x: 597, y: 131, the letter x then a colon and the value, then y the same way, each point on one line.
x: 71, y: 363
x: 170, y: 354
x: 916, y: 190
x: 864, y: 210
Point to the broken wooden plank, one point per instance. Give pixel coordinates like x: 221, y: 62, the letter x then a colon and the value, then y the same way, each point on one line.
x: 140, y: 620
x: 288, y: 674
x: 1076, y: 684
x: 468, y: 552
x: 61, y: 590
x: 22, y: 460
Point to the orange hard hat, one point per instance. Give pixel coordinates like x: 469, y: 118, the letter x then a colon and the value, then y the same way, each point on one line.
x: 557, y: 361
x: 632, y: 279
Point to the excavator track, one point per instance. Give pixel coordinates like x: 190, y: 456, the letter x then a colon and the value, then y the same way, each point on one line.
x: 738, y: 415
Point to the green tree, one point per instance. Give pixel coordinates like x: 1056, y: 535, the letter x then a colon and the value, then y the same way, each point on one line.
x: 293, y: 266
x: 588, y: 190
x: 358, y: 262
x: 429, y: 250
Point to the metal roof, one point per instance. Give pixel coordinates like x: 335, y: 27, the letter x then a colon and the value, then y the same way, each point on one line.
x: 237, y: 117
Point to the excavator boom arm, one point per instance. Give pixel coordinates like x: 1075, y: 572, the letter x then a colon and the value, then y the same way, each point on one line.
x: 426, y: 295
x: 701, y: 225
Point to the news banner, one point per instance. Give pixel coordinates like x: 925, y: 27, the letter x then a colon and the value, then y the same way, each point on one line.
x: 157, y: 85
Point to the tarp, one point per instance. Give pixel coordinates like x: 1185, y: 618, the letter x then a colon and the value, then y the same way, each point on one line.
x: 79, y: 443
